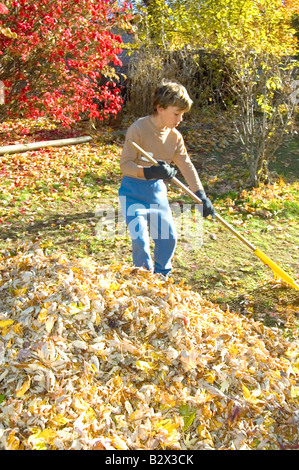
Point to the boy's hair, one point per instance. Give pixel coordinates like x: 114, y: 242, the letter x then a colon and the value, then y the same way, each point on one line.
x: 171, y: 93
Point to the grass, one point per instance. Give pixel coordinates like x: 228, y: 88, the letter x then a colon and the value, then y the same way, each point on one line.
x: 55, y: 197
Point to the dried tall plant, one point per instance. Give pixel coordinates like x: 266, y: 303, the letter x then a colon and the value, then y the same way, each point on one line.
x: 202, y: 74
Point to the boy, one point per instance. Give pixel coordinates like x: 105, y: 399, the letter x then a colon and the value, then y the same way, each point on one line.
x: 143, y: 194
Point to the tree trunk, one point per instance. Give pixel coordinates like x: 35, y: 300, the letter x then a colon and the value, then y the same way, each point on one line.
x: 19, y: 148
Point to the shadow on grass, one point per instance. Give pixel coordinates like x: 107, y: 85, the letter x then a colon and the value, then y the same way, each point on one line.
x: 50, y: 225
x: 274, y: 305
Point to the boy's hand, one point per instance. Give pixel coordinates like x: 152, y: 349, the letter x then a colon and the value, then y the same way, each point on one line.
x: 162, y: 171
x: 208, y: 208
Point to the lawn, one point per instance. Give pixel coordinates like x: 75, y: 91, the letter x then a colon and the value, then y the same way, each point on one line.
x: 56, y: 197
x: 96, y: 354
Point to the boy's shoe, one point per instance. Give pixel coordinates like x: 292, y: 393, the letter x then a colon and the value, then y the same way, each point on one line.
x: 162, y: 277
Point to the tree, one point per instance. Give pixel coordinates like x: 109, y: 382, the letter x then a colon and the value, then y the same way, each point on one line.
x: 256, y: 41
x: 263, y: 110
x: 58, y: 58
x: 292, y: 6
x: 259, y: 44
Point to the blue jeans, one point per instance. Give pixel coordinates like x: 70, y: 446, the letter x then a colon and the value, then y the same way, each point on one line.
x: 147, y: 214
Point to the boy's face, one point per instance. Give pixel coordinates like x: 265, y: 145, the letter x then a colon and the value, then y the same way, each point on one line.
x: 170, y: 117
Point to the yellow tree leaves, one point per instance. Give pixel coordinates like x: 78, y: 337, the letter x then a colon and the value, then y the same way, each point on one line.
x: 292, y: 6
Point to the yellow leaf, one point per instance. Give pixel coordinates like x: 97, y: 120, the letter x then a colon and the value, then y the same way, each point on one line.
x: 106, y: 284
x: 210, y: 377
x: 21, y: 391
x: 18, y: 329
x: 50, y: 323
x: 114, y: 286
x: 170, y: 427
x: 42, y: 315
x: 39, y: 438
x: 143, y: 365
x: 167, y: 424
x: 74, y: 309
x: 90, y: 414
x: 201, y: 429
x: 5, y: 323
x: 294, y: 392
x: 59, y: 420
x: 246, y: 392
x: 232, y: 349
x: 19, y: 292
x: 13, y: 443
x: 206, y: 412
x: 79, y: 403
x: 119, y: 443
x: 269, y: 421
x: 249, y: 396
x: 204, y: 434
x: 214, y: 425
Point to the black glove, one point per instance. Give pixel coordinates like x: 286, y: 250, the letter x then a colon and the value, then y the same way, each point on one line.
x: 162, y: 171
x: 208, y: 208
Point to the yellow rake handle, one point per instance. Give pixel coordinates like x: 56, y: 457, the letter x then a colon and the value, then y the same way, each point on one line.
x: 278, y: 272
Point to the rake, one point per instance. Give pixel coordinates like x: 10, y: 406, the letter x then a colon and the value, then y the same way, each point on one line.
x: 278, y: 272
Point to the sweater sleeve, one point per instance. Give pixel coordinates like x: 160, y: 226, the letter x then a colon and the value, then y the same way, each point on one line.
x: 183, y: 162
x: 129, y: 156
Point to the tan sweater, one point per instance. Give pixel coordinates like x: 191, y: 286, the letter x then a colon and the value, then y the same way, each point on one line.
x: 166, y: 144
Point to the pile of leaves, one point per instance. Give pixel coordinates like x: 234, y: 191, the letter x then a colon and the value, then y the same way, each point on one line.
x: 95, y: 357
